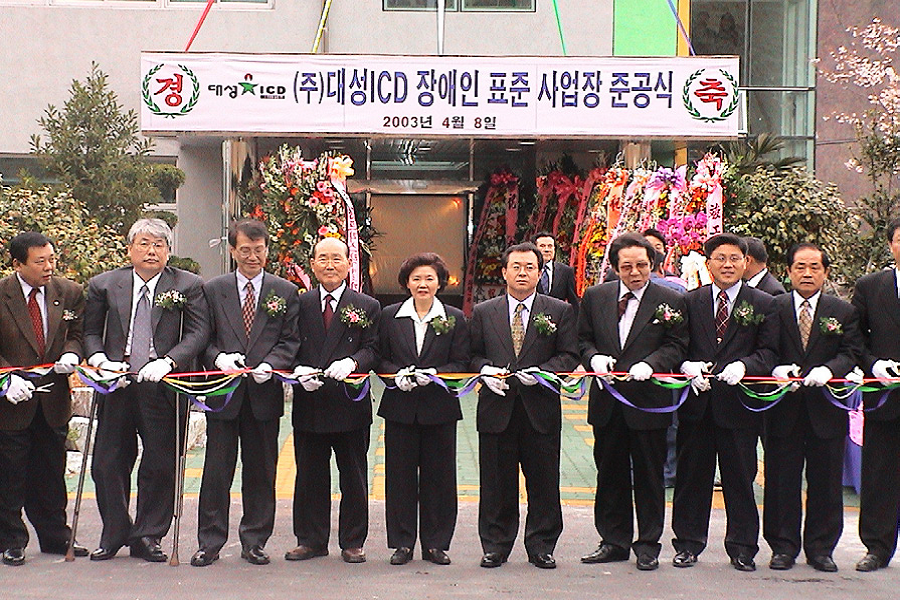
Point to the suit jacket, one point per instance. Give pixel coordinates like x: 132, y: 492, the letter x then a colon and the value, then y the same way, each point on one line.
x: 660, y: 346
x: 837, y: 352
x: 273, y: 340
x: 563, y: 284
x: 756, y: 345
x: 18, y: 348
x: 875, y: 297
x: 492, y: 345
x: 770, y: 285
x: 179, y: 333
x: 329, y: 409
x: 448, y: 353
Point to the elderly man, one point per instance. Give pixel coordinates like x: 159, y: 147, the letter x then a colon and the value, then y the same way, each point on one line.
x: 146, y: 318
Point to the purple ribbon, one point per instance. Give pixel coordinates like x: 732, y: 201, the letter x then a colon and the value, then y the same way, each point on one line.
x: 663, y: 409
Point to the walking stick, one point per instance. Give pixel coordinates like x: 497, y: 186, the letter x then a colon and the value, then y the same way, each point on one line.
x: 70, y: 551
x: 180, y: 463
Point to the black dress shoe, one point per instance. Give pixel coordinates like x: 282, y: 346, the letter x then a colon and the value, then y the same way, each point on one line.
x: 437, y: 556
x: 302, y: 552
x: 543, y: 560
x: 606, y: 553
x: 870, y: 562
x: 822, y: 563
x: 204, y: 558
x: 743, y: 563
x: 401, y: 556
x: 255, y: 555
x: 353, y: 555
x: 491, y: 560
x: 646, y: 562
x: 684, y: 558
x: 148, y: 549
x: 14, y: 557
x: 781, y: 562
x: 104, y: 553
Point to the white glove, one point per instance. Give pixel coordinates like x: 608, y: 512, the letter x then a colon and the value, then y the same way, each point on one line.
x: 498, y: 386
x: 855, y: 376
x: 66, y: 363
x: 19, y: 389
x: 110, y: 369
x: 405, y: 379
x: 818, y: 377
x: 695, y: 368
x: 640, y: 371
x: 262, y: 373
x: 307, y: 377
x: 422, y: 376
x: 885, y: 369
x: 230, y: 362
x: 154, y: 371
x: 601, y: 363
x: 97, y: 358
x: 340, y: 369
x: 784, y: 372
x: 732, y: 373
x: 527, y: 376
x: 700, y: 384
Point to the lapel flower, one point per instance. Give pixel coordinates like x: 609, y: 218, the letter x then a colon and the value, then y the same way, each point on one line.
x: 830, y: 326
x: 745, y: 316
x: 667, y: 315
x: 274, y: 304
x: 69, y: 315
x: 355, y: 317
x: 171, y: 300
x: 544, y: 324
x: 442, y: 326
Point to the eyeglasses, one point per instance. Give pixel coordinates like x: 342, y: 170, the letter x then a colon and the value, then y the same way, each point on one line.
x: 515, y: 268
x: 641, y: 266
x: 145, y: 246
x: 334, y: 260
x: 722, y: 259
x: 246, y: 252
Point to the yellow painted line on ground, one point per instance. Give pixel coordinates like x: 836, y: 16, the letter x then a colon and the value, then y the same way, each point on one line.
x: 577, y: 490
x: 523, y: 493
x: 580, y: 407
x: 574, y: 417
x: 379, y: 451
x: 583, y: 428
x: 193, y: 472
x: 286, y: 470
x: 589, y: 442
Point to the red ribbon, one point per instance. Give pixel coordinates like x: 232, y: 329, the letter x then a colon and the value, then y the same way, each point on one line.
x: 209, y: 4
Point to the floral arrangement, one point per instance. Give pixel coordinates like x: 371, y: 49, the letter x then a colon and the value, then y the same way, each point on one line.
x: 274, y: 305
x: 667, y: 316
x: 355, y: 317
x: 69, y: 315
x: 544, y: 324
x: 442, y: 326
x: 171, y: 300
x: 830, y: 326
x: 745, y: 315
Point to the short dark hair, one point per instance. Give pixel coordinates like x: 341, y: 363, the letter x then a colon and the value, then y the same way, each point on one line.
x: 252, y: 228
x: 630, y: 240
x: 541, y: 234
x: 826, y: 262
x: 523, y: 247
x: 756, y: 249
x: 424, y: 259
x: 20, y: 244
x: 657, y: 234
x: 893, y: 226
x: 721, y: 239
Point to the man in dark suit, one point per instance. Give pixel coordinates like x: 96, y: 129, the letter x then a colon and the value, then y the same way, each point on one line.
x: 876, y: 298
x: 639, y: 327
x: 338, y: 336
x: 254, y: 323
x: 556, y: 279
x: 519, y: 421
x: 819, y: 340
x: 731, y: 335
x: 150, y: 319
x: 40, y: 322
x: 757, y: 273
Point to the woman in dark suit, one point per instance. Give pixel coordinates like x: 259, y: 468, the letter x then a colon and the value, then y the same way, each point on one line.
x: 420, y: 336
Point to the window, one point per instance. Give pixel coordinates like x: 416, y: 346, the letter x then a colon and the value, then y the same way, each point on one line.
x: 465, y: 5
x: 417, y: 5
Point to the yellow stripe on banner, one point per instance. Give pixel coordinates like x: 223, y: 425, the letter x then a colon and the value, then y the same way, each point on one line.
x: 286, y: 471
x: 684, y: 13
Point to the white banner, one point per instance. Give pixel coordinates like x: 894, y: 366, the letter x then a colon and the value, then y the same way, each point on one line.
x: 470, y: 96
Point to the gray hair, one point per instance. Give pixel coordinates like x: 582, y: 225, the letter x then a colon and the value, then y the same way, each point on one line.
x: 156, y: 228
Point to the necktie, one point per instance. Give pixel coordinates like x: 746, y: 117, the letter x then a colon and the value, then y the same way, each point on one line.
x: 623, y: 303
x: 249, y: 308
x: 722, y: 316
x: 805, y: 322
x: 328, y: 313
x: 545, y: 280
x: 34, y: 311
x: 518, y: 329
x: 140, y: 332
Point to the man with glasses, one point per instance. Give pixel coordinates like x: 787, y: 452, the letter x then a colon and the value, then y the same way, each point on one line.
x: 147, y: 319
x: 254, y: 325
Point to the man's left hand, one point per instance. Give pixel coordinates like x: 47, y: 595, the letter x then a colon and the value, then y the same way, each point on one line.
x: 818, y: 377
x: 66, y: 363
x: 340, y: 369
x: 262, y: 373
x: 527, y: 376
x: 640, y: 371
x: 732, y: 373
x: 154, y: 370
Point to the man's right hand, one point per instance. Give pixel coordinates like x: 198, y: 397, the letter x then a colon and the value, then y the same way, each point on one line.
x: 19, y: 389
x: 230, y: 362
x: 490, y: 379
x: 601, y: 363
x: 308, y: 377
x: 885, y: 369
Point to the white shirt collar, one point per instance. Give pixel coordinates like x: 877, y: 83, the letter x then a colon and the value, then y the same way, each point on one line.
x: 242, y: 280
x: 336, y: 294
x: 754, y: 281
x: 27, y: 287
x: 408, y: 309
x: 731, y: 292
x: 150, y: 283
x: 813, y: 301
x: 528, y: 302
x: 623, y: 289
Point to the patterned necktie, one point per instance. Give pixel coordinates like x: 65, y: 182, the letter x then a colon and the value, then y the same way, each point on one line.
x: 805, y: 322
x: 328, y: 313
x: 545, y: 280
x: 140, y: 332
x: 249, y: 309
x: 722, y: 316
x: 518, y: 329
x: 623, y: 303
x: 34, y: 311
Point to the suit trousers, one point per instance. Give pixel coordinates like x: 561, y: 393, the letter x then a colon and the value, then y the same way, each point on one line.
x: 782, y: 506
x: 312, y: 487
x: 141, y: 409
x: 32, y: 476
x: 500, y: 455
x: 629, y: 459
x: 698, y: 445
x: 259, y: 457
x: 879, y: 496
x: 420, y: 476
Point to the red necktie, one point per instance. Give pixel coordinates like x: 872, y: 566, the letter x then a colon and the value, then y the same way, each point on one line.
x: 249, y: 308
x: 722, y: 316
x: 34, y: 311
x: 623, y: 303
x: 328, y: 313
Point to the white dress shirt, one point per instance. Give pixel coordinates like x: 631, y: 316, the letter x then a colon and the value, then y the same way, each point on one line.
x: 137, y: 284
x: 732, y: 294
x: 631, y: 309
x: 336, y: 295
x: 526, y: 313
x: 256, y: 282
x: 798, y: 300
x: 420, y: 325
x: 754, y: 281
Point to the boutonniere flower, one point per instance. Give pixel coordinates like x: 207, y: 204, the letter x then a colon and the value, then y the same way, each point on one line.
x: 667, y: 316
x: 274, y: 304
x: 69, y: 315
x: 171, y: 300
x: 355, y: 317
x: 544, y: 324
x: 442, y: 326
x: 745, y: 315
x: 831, y: 326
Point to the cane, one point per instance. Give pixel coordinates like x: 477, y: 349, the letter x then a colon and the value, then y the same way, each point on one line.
x: 70, y: 551
x: 180, y: 463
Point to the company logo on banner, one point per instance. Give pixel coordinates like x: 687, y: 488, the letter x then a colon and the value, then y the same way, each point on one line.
x: 437, y: 95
